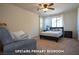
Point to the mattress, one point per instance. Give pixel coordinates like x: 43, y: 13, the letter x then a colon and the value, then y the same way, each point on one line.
x: 52, y: 33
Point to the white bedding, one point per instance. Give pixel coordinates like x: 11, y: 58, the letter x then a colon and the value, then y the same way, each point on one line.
x: 52, y: 33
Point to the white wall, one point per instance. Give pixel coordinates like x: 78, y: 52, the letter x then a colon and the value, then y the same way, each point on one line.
x: 78, y: 23
x: 20, y: 19
x: 70, y: 21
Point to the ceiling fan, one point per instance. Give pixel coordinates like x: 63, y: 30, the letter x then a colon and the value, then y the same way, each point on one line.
x: 45, y: 6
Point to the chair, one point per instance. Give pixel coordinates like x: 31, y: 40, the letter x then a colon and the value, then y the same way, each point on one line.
x: 10, y: 45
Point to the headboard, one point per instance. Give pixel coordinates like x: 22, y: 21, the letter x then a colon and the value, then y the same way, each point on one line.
x: 57, y: 28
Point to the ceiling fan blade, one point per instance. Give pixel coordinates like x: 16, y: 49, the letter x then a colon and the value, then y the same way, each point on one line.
x: 51, y: 4
x: 52, y: 8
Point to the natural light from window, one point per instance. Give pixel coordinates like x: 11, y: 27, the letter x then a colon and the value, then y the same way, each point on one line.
x: 57, y: 21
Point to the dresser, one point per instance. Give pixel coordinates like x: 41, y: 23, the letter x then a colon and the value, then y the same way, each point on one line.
x: 68, y: 34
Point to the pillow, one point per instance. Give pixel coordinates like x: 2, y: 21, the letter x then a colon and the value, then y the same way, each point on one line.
x: 13, y: 37
x: 55, y: 29
x: 20, y: 35
x: 60, y: 30
x: 24, y: 36
x: 51, y: 30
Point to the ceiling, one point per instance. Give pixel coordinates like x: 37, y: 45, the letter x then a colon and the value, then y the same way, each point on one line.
x: 59, y: 8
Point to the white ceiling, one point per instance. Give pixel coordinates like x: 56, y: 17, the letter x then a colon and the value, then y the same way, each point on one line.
x: 59, y: 8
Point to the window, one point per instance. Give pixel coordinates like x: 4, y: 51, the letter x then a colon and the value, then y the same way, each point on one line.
x: 57, y: 22
x: 53, y: 22
x: 41, y: 23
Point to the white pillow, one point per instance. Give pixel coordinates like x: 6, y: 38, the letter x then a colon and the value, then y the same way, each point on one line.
x: 60, y: 30
x: 13, y: 37
x: 20, y: 35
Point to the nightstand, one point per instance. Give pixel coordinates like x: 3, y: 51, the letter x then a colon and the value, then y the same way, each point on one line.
x: 68, y: 34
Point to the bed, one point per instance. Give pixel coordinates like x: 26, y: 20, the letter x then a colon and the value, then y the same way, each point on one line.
x: 54, y: 33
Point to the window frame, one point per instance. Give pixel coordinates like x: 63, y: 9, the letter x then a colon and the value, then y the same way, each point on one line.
x: 61, y: 16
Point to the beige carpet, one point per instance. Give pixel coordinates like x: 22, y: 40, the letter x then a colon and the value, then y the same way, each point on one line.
x: 67, y: 45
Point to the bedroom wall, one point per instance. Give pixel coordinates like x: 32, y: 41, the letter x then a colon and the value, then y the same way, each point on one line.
x: 19, y: 19
x: 0, y: 12
x: 70, y: 21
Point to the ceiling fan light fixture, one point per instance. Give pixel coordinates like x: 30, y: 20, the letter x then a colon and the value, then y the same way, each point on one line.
x: 45, y: 9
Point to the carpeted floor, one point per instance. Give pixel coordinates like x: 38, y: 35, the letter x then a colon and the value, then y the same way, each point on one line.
x: 65, y: 46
